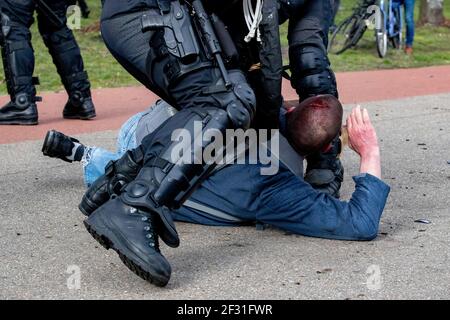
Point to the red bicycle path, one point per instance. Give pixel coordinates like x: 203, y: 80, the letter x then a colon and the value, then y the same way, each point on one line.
x: 115, y: 105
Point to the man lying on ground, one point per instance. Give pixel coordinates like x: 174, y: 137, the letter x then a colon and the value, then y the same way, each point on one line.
x: 283, y: 200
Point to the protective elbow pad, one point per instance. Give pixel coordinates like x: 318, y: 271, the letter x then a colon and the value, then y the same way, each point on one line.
x: 242, y: 107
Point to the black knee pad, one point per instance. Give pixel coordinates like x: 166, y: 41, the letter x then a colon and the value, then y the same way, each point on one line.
x: 243, y: 105
x: 311, y: 72
x: 60, y: 41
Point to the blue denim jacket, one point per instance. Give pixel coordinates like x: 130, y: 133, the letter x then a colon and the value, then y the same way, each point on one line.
x: 282, y: 200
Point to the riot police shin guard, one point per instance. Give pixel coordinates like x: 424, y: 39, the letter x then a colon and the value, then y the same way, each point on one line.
x: 18, y: 64
x: 117, y: 175
x: 311, y: 71
x: 69, y: 63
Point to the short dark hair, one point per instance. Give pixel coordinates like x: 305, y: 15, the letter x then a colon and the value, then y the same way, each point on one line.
x: 314, y: 123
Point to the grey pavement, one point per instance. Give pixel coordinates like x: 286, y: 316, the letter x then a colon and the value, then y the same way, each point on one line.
x: 42, y: 236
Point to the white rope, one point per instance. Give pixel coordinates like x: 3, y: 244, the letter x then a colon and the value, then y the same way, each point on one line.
x: 253, y: 19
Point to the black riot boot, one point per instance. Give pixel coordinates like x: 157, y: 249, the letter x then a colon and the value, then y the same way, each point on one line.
x: 20, y: 111
x: 325, y: 171
x: 133, y: 234
x: 117, y: 175
x: 79, y: 106
x: 127, y: 225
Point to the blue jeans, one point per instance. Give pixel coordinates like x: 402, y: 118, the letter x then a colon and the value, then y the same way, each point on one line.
x: 409, y: 19
x: 96, y: 159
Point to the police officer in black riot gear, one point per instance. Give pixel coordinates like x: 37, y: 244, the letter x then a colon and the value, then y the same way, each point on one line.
x: 18, y: 60
x: 309, y: 24
x: 178, y: 57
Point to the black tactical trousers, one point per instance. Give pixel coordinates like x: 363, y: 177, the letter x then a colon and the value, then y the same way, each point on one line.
x: 309, y: 25
x: 130, y: 47
x: 59, y: 40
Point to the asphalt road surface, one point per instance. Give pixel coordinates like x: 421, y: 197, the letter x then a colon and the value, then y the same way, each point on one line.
x: 44, y: 246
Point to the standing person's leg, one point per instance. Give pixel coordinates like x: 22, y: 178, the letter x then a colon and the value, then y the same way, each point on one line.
x: 308, y: 42
x: 16, y: 17
x: 67, y: 58
x: 410, y: 25
x: 132, y: 222
x: 312, y: 75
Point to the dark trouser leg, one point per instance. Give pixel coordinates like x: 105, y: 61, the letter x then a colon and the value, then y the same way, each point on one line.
x: 18, y: 62
x: 130, y: 47
x: 66, y: 55
x: 409, y: 19
x: 312, y: 75
x: 308, y: 40
x: 140, y: 212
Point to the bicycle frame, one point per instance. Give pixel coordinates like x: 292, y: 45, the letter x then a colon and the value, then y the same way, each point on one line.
x: 352, y: 29
x: 392, y: 18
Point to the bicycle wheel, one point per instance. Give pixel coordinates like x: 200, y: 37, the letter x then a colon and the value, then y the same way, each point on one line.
x: 381, y: 37
x: 359, y: 32
x: 342, y: 37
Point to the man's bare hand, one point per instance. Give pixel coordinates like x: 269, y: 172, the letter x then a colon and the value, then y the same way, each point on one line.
x: 363, y: 139
x: 361, y: 133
